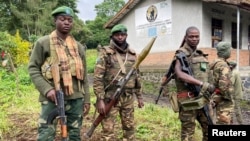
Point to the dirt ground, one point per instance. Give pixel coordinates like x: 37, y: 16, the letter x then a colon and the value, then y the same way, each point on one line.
x: 23, y: 132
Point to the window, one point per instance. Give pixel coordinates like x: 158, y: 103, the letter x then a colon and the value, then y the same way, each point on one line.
x: 234, y: 36
x: 216, y: 31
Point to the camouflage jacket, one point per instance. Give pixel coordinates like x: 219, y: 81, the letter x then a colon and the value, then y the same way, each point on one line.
x: 221, y: 78
x: 237, y: 82
x: 108, y: 71
x: 198, y: 63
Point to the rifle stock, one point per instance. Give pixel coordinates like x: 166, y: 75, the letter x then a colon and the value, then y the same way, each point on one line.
x: 120, y: 86
x: 193, y: 88
x: 59, y: 112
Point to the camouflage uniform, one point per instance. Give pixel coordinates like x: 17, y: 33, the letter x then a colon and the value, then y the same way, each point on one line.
x: 238, y: 92
x: 199, y: 65
x: 221, y: 77
x: 106, y: 75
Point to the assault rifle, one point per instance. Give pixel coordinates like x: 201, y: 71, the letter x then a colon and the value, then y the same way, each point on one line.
x: 193, y: 88
x: 120, y: 86
x: 169, y: 75
x: 59, y: 112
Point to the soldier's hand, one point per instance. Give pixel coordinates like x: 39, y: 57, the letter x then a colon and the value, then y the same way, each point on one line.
x: 101, y: 107
x: 140, y: 103
x: 51, y: 95
x: 86, y: 108
x: 163, y: 80
x: 208, y: 87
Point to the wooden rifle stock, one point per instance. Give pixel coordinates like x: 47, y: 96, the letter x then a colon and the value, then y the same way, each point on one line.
x: 59, y: 112
x: 120, y: 87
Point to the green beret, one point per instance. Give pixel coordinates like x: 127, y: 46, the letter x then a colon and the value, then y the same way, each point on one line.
x: 223, y: 49
x: 232, y: 63
x: 119, y: 28
x: 63, y: 10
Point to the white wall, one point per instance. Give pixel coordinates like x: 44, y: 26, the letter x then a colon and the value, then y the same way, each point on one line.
x: 187, y: 13
x: 228, y: 14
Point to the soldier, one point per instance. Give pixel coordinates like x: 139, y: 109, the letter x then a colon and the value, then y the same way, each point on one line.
x: 113, y: 62
x: 198, y: 62
x: 238, y: 91
x: 224, y: 87
x: 59, y: 48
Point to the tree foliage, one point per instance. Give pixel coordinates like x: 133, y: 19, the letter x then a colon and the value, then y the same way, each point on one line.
x: 105, y: 11
x: 108, y: 8
x: 16, y: 47
x: 32, y: 19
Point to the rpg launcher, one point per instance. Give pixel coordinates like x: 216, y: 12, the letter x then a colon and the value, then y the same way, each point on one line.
x: 120, y: 86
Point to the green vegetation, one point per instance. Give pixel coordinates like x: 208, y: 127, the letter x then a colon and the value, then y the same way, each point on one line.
x: 91, y: 55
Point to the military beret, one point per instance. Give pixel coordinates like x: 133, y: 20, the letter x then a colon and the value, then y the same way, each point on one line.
x: 223, y: 49
x: 63, y: 10
x: 119, y: 28
x: 232, y: 63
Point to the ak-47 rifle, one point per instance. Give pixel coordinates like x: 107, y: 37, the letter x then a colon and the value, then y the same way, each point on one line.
x: 120, y: 86
x: 59, y: 112
x: 193, y: 88
x: 169, y: 75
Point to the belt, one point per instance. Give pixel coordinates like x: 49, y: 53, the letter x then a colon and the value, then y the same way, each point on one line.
x: 185, y: 95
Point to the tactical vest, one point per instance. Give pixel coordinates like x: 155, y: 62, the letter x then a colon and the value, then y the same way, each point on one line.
x: 114, y: 70
x: 46, y: 67
x: 200, y: 67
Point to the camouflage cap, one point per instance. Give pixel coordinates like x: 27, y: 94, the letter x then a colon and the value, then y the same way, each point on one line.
x: 119, y: 28
x: 63, y: 10
x: 223, y: 49
x: 232, y: 63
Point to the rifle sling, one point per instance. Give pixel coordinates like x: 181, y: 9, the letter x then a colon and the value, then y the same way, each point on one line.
x: 122, y: 67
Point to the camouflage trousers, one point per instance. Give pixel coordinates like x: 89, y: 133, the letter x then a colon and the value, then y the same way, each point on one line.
x: 188, y: 119
x: 224, y: 112
x: 125, y: 108
x: 73, y: 111
x: 237, y: 111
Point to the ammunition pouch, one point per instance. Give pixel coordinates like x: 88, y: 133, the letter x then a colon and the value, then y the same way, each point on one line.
x: 193, y: 103
x: 174, y: 101
x: 46, y: 70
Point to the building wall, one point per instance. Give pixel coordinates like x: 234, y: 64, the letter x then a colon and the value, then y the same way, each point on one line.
x: 161, y: 60
x: 227, y: 14
x: 184, y: 14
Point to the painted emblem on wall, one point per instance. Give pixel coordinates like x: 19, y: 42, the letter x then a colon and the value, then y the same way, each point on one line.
x: 151, y: 13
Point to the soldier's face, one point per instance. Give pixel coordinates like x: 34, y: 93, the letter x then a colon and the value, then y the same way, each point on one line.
x: 119, y: 37
x: 64, y: 23
x: 193, y: 38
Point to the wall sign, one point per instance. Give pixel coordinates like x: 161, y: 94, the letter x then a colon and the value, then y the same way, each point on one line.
x: 154, y: 20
